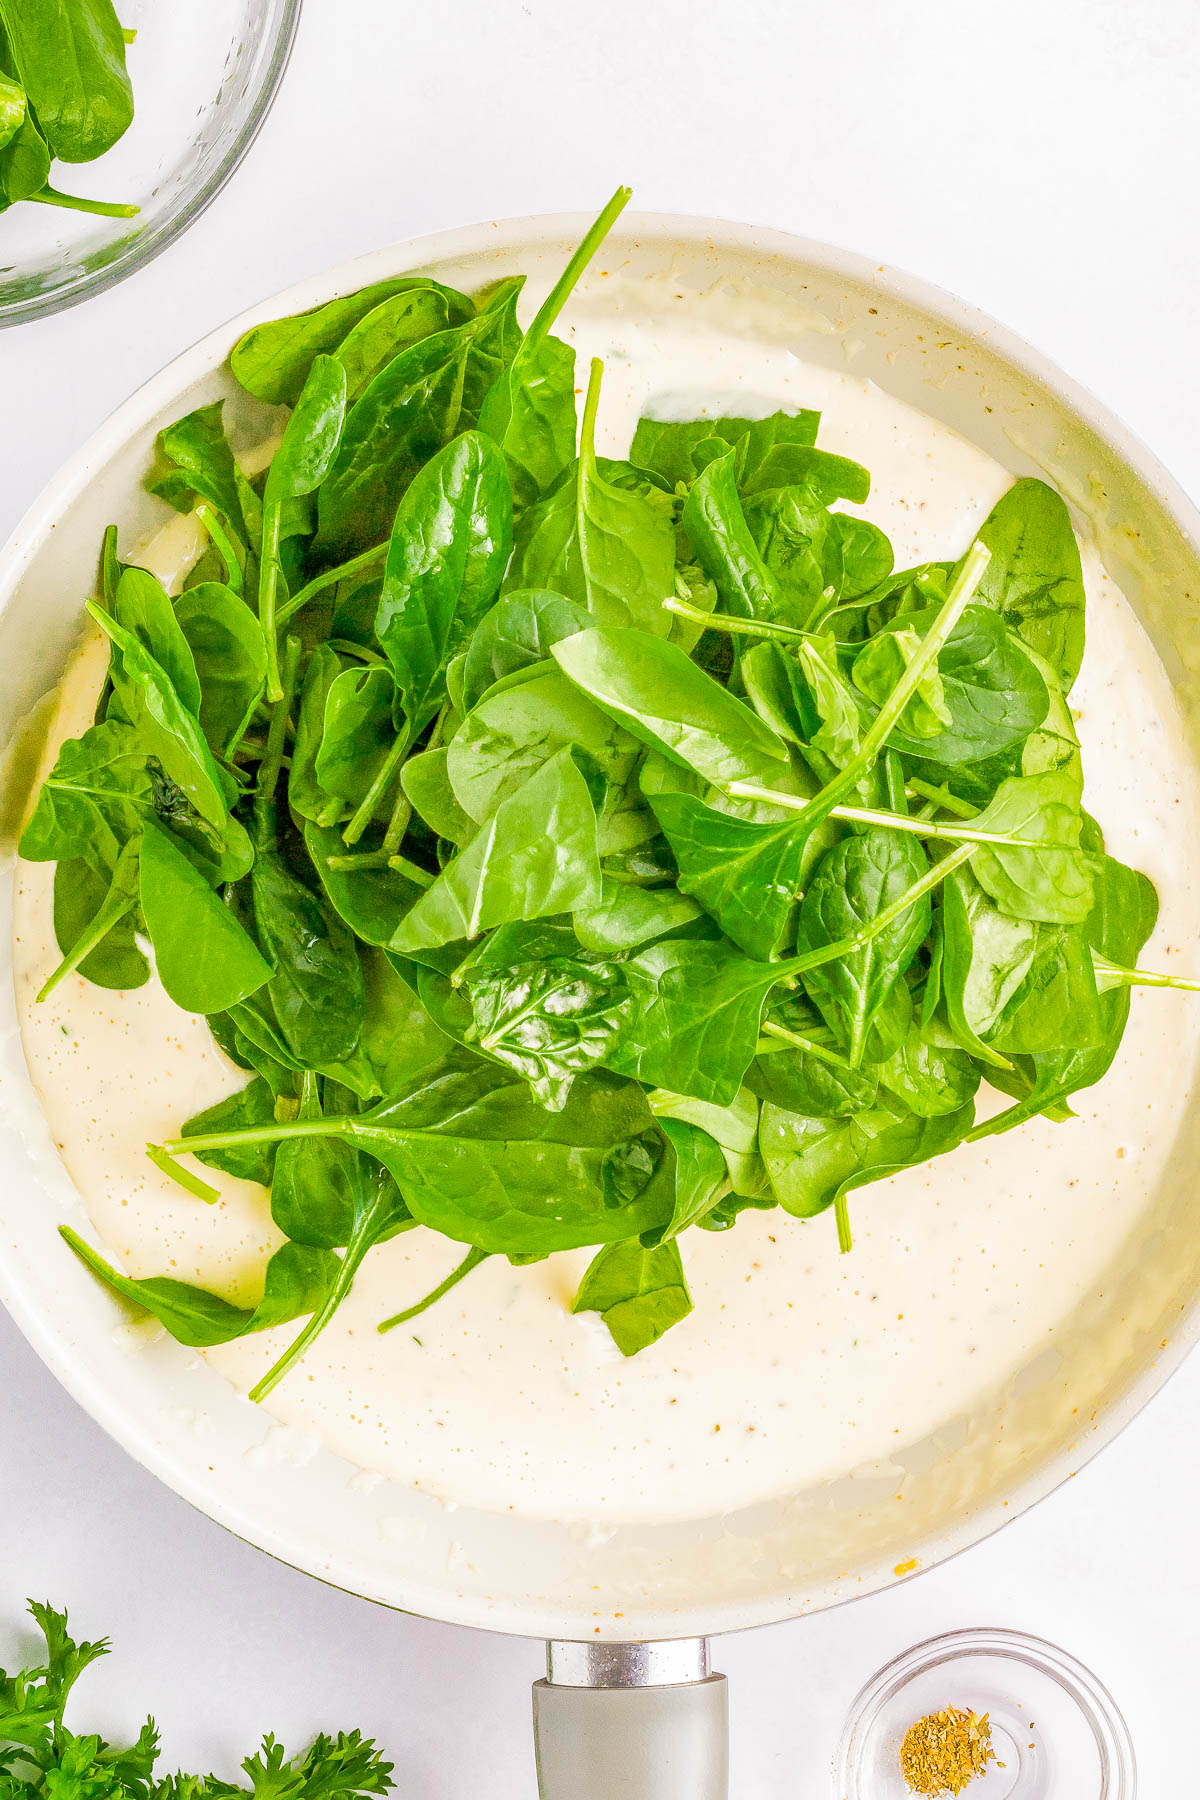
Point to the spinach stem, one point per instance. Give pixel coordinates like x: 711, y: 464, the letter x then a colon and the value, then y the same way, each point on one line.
x: 865, y: 815
x: 812, y: 959
x: 110, y: 565
x: 102, y: 923
x: 119, y: 900
x: 954, y: 834
x: 239, y: 740
x: 941, y: 796
x: 202, y: 1190
x: 383, y: 780
x: 213, y: 523
x: 841, y: 1213
x: 272, y: 762
x: 587, y: 424
x: 770, y: 1029
x: 397, y: 825
x: 107, y: 209
x: 413, y: 870
x: 341, y: 572
x: 336, y: 1126
x: 338, y: 1290
x: 560, y: 293
x: 268, y: 584
x: 959, y: 597
x: 1119, y: 976
x: 470, y: 1261
x: 362, y: 859
x: 760, y: 628
x: 893, y: 773
x: 359, y: 652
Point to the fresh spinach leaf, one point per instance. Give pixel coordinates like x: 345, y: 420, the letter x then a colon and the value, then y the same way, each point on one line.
x: 985, y: 958
x: 229, y: 654
x: 721, y: 539
x: 852, y: 884
x: 13, y: 108
x: 202, y: 468
x: 547, y: 1011
x: 372, y: 899
x: 657, y: 693
x: 141, y: 605
x: 477, y: 1159
x: 306, y: 796
x: 518, y: 726
x: 166, y: 727
x: 694, y: 1016
x: 518, y: 632
x: 628, y: 915
x: 272, y: 360
x: 357, y: 735
x: 992, y: 689
x: 535, y: 856
x: 95, y: 798
x: 202, y: 956
x: 316, y: 991
x: 639, y: 1293
x: 449, y: 545
x: 880, y: 666
x: 95, y: 920
x: 380, y: 335
x: 296, y: 1282
x: 426, y: 783
x: 70, y: 58
x: 250, y: 1106
x: 734, y: 1131
x: 604, y: 537
x: 669, y: 447
x: 418, y: 402
x: 928, y: 1079
x: 814, y: 1163
x: 1051, y: 881
x: 1034, y: 577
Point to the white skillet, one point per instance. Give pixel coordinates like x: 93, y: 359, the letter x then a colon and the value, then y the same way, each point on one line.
x: 622, y: 1716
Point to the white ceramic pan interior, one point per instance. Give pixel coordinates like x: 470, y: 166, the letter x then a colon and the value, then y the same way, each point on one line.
x: 280, y: 1490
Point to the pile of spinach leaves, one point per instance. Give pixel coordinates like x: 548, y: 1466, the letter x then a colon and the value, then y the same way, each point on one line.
x: 65, y: 95
x: 573, y: 851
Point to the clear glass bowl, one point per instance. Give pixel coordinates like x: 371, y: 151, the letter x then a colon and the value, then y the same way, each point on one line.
x: 1055, y: 1728
x: 204, y: 75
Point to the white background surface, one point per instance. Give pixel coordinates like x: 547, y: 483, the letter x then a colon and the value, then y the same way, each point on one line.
x: 1038, y: 157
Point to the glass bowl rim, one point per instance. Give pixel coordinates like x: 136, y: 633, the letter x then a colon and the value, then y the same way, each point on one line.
x: 1114, y: 1743
x: 143, y: 249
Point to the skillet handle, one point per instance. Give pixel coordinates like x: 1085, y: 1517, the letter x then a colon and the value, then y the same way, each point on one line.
x: 631, y: 1722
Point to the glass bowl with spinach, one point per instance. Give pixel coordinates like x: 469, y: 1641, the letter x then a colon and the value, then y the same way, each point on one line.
x: 119, y: 124
x: 575, y: 852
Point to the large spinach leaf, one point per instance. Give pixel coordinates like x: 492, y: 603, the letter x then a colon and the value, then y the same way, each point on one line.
x: 417, y: 403
x: 536, y: 855
x: 1034, y: 577
x: 857, y: 880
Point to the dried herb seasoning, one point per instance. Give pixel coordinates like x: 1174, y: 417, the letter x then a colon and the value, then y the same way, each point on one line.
x: 944, y: 1751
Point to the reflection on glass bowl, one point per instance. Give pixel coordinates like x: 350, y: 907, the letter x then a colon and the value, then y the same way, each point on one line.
x: 204, y: 75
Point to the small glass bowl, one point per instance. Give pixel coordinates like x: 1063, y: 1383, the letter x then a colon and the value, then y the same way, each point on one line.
x: 1055, y: 1728
x: 204, y: 75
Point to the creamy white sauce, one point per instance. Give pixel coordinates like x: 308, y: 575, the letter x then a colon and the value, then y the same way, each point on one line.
x: 797, y: 1365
